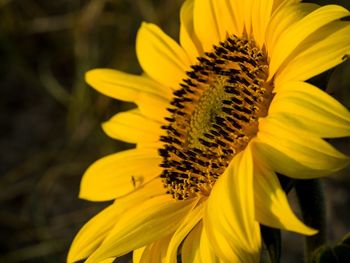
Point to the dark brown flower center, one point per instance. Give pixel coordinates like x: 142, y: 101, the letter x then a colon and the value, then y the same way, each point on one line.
x: 213, y: 116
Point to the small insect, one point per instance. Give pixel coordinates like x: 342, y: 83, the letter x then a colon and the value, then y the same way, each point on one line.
x: 345, y: 57
x: 133, y: 180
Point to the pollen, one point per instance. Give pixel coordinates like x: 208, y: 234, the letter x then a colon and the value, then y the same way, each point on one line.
x: 213, y: 116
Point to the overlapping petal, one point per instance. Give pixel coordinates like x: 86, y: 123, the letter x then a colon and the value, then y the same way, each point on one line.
x: 137, y: 254
x: 182, y: 231
x: 143, y: 224
x: 197, y: 248
x: 152, y: 107
x: 190, y: 247
x: 226, y: 22
x: 205, y: 23
x: 188, y: 38
x: 332, y: 41
x: 133, y: 127
x: 118, y: 174
x: 151, y: 97
x: 214, y: 21
x: 285, y: 16
x: 295, y: 153
x: 299, y: 104
x: 236, y: 9
x: 206, y: 250
x: 279, y: 3
x: 261, y: 15
x: 154, y: 252
x: 108, y: 260
x: 160, y: 56
x: 247, y: 12
x: 299, y: 31
x: 94, y: 232
x: 271, y: 203
x: 229, y: 217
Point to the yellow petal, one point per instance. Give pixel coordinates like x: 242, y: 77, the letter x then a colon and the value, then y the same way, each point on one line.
x: 229, y: 217
x: 190, y: 247
x: 123, y: 86
x: 151, y: 97
x: 206, y: 250
x: 132, y: 127
x: 237, y: 11
x: 284, y: 17
x: 248, y: 7
x: 151, y: 220
x: 295, y: 153
x: 197, y: 248
x: 155, y: 252
x: 150, y: 145
x: 278, y: 3
x: 186, y: 226
x: 118, y: 174
x: 93, y: 232
x: 137, y: 254
x: 205, y: 24
x: 188, y: 39
x: 160, y: 56
x: 261, y: 15
x: 214, y: 20
x: 271, y: 203
x: 225, y: 19
x: 324, y: 51
x: 299, y: 31
x: 108, y: 260
x: 152, y: 107
x: 302, y: 105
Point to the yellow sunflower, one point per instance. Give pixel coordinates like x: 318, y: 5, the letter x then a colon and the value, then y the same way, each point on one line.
x: 217, y: 115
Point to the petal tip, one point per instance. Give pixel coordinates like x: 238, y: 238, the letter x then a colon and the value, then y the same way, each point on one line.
x: 91, y: 75
x: 85, y: 189
x: 308, y: 231
x: 73, y: 254
x: 83, y: 194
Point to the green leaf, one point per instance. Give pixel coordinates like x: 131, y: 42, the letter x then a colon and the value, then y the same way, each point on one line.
x: 340, y: 253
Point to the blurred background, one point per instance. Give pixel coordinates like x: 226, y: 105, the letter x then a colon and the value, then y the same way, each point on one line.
x: 50, y: 119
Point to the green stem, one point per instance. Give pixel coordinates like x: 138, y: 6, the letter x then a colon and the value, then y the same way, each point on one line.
x: 310, y: 194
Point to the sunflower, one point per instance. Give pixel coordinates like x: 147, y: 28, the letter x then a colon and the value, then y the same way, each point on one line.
x: 217, y: 116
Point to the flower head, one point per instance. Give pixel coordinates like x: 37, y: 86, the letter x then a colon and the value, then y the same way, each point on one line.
x: 217, y: 115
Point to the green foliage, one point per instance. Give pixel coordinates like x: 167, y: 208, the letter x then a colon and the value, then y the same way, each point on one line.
x: 339, y: 253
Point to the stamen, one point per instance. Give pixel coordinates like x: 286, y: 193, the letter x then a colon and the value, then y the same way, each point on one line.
x: 213, y: 116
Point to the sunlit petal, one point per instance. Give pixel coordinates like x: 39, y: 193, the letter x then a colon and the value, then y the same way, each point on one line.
x: 118, y: 174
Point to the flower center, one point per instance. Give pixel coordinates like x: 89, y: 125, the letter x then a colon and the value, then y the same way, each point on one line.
x: 214, y: 115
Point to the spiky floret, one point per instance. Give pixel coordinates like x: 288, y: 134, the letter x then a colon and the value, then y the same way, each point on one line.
x: 213, y: 116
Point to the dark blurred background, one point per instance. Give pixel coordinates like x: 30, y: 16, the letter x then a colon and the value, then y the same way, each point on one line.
x: 50, y: 119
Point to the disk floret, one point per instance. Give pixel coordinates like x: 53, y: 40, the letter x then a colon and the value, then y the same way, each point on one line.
x: 213, y: 116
